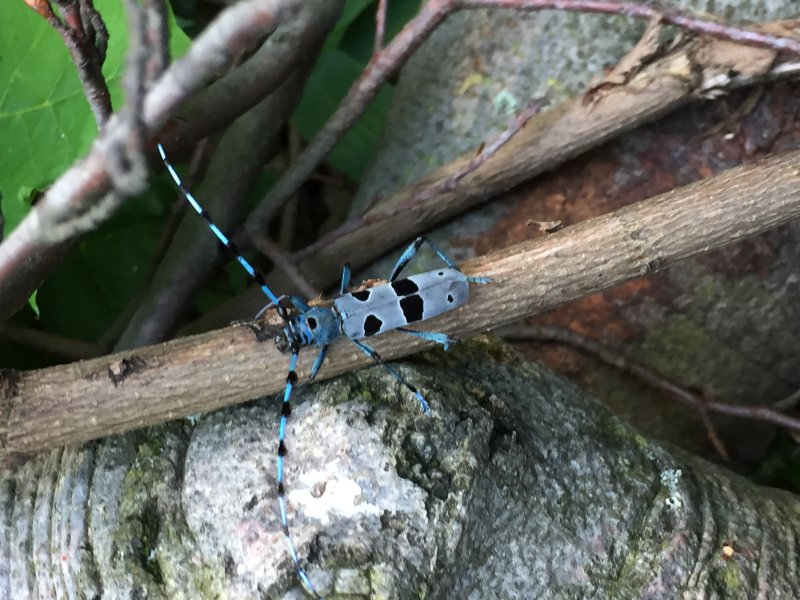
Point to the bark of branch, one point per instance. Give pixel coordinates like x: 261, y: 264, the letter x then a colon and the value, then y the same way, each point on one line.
x: 518, y: 486
x: 387, y: 62
x: 548, y: 140
x: 85, y: 400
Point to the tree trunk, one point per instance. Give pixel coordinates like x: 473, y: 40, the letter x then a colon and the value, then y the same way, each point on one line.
x: 517, y: 486
x: 724, y: 324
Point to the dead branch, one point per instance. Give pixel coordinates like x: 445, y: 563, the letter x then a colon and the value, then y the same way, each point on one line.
x: 389, y: 60
x: 77, y: 194
x: 80, y: 401
x: 617, y: 359
x: 549, y: 139
x: 86, y: 39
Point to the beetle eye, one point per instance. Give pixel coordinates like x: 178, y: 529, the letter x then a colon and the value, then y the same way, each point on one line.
x: 312, y: 323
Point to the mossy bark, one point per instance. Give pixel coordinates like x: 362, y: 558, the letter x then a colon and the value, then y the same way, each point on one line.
x: 518, y: 486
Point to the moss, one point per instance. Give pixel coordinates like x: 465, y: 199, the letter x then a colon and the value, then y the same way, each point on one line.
x: 150, y: 523
x: 730, y: 576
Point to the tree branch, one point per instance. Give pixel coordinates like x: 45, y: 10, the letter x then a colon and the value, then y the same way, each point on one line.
x: 689, y: 72
x: 72, y: 403
x: 618, y: 359
x: 86, y: 39
x: 77, y: 194
x: 389, y: 60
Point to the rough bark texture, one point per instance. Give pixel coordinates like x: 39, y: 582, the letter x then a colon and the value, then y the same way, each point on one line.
x: 725, y: 324
x: 518, y: 486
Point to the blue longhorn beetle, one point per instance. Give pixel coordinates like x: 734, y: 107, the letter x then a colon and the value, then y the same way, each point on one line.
x: 354, y: 315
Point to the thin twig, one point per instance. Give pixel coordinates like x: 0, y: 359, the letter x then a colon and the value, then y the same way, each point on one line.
x: 711, y: 431
x: 30, y: 252
x: 387, y: 62
x: 198, y: 164
x: 427, y: 193
x: 620, y: 361
x: 95, y: 28
x: 284, y: 262
x: 86, y: 39
x: 788, y: 403
x: 705, y: 25
x: 380, y: 25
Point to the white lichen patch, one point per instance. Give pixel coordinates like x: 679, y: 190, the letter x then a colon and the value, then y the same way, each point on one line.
x: 340, y: 478
x: 351, y: 582
x: 670, y: 479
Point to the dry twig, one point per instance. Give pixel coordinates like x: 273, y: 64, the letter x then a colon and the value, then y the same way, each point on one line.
x: 388, y: 61
x: 86, y: 39
x: 548, y: 139
x: 77, y: 194
x: 773, y: 415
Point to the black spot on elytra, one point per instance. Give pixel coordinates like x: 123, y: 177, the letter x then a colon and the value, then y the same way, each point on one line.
x: 412, y: 308
x: 450, y: 298
x: 440, y: 273
x: 312, y: 323
x: 404, y: 287
x: 372, y: 325
x: 362, y: 295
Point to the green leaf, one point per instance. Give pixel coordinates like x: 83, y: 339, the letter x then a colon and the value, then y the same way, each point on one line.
x: 358, y: 39
x: 352, y: 10
x: 45, y: 121
x: 330, y: 80
x: 32, y: 303
x: 100, y: 277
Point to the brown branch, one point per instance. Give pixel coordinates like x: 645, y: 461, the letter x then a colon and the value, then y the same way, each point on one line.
x: 614, y: 358
x: 72, y: 403
x: 437, y: 188
x: 767, y: 414
x: 710, y: 27
x: 380, y: 25
x: 50, y: 343
x: 389, y: 60
x: 86, y: 39
x: 283, y: 262
x: 548, y: 140
x: 31, y: 252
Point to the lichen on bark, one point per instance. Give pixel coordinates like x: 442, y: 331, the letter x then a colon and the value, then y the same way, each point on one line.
x: 517, y: 486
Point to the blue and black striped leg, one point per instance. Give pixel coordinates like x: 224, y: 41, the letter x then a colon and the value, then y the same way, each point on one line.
x: 318, y: 362
x: 345, y: 283
x: 376, y: 357
x: 254, y: 274
x: 440, y: 338
x: 406, y: 257
x: 286, y: 410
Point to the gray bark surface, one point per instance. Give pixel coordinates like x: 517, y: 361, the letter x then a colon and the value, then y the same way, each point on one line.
x: 518, y: 486
x: 725, y: 324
